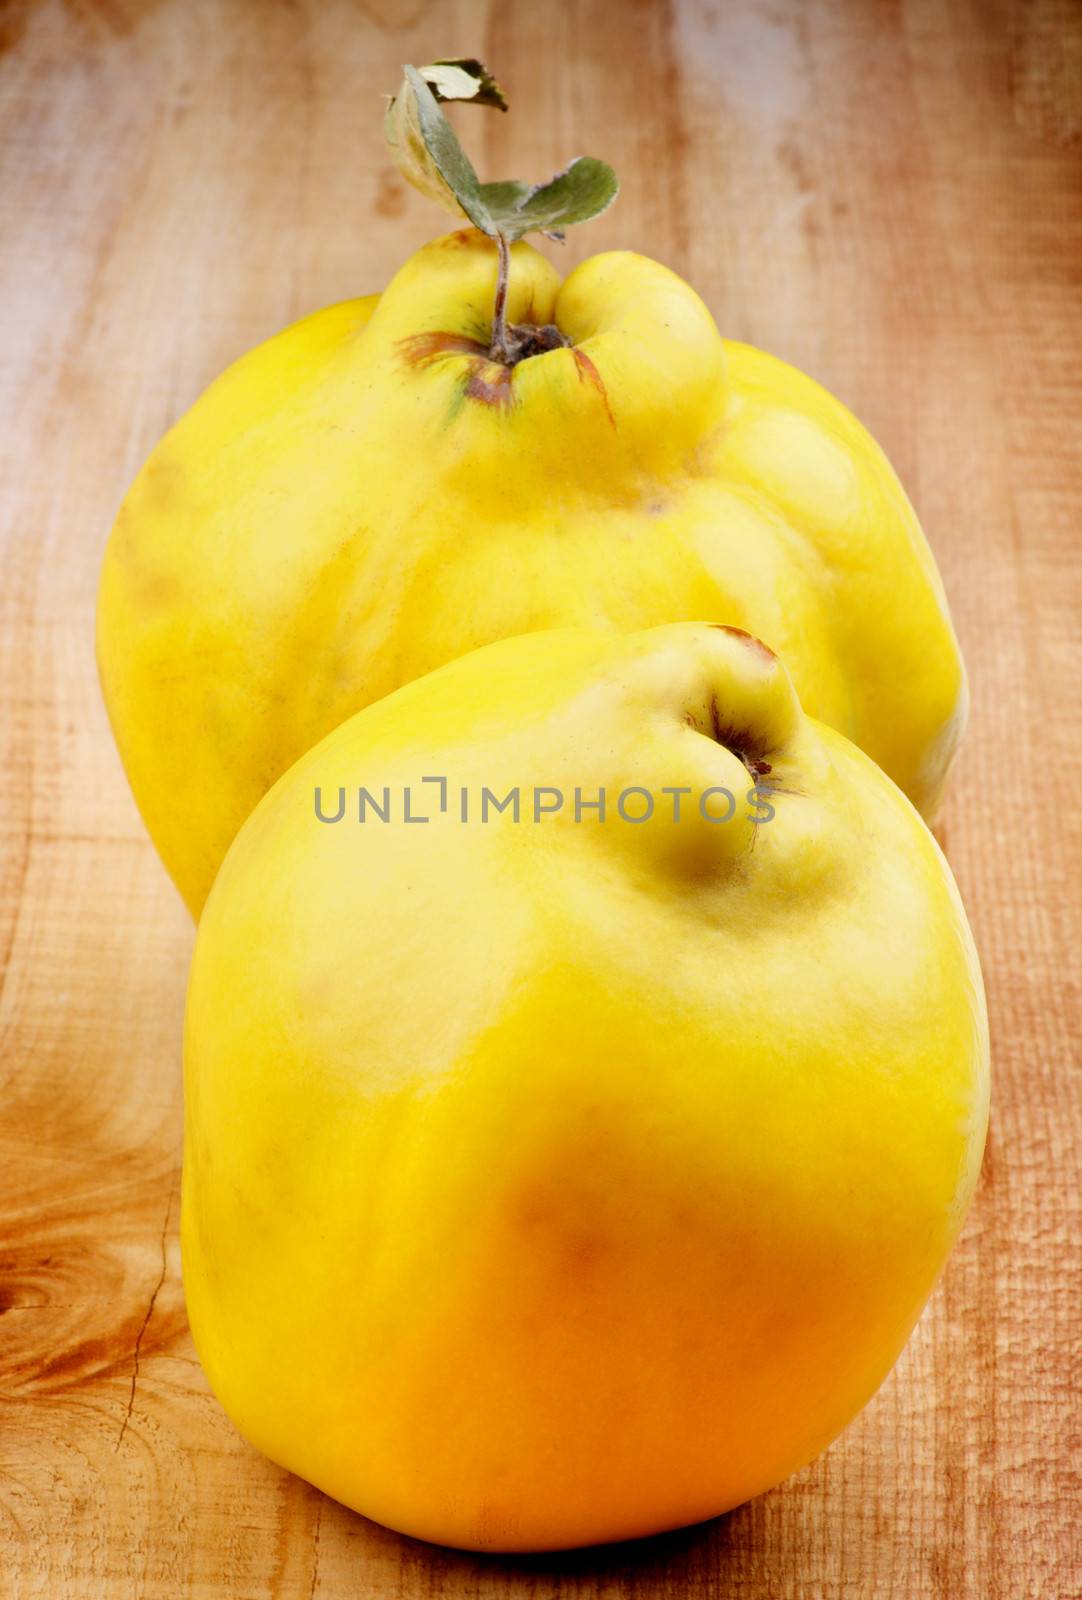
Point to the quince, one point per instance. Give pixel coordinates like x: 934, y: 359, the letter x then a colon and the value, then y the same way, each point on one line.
x: 368, y: 495
x: 562, y: 1178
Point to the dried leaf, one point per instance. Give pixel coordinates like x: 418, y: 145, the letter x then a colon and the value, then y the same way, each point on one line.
x: 463, y: 78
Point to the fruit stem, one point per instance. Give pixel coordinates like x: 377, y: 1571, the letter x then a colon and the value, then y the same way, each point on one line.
x: 512, y: 343
x: 500, y: 350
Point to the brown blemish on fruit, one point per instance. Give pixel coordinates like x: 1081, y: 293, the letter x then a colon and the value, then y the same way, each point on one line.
x: 715, y: 719
x: 746, y: 638
x: 419, y: 349
x: 588, y: 373
x: 740, y: 742
x: 484, y: 380
x: 489, y: 382
x: 465, y: 239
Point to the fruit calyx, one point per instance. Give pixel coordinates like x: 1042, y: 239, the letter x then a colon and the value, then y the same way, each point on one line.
x: 524, y: 339
x: 429, y: 156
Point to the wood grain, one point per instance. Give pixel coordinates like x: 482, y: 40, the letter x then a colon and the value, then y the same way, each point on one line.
x: 886, y: 192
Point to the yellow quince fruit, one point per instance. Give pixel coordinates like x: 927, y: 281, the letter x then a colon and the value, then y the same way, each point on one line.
x: 553, y: 1177
x: 369, y: 495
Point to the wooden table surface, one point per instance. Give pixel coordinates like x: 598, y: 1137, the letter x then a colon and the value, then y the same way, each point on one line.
x: 887, y: 193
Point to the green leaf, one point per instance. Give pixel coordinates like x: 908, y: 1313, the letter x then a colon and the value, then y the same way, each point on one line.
x: 583, y: 190
x: 501, y: 197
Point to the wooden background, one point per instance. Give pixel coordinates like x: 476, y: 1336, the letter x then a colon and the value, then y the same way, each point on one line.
x: 886, y: 192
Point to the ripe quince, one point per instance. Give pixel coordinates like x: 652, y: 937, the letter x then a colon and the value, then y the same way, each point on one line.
x: 369, y: 495
x: 563, y: 1178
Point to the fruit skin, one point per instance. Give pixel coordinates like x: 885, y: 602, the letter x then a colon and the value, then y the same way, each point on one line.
x: 365, y: 497
x: 555, y: 1183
